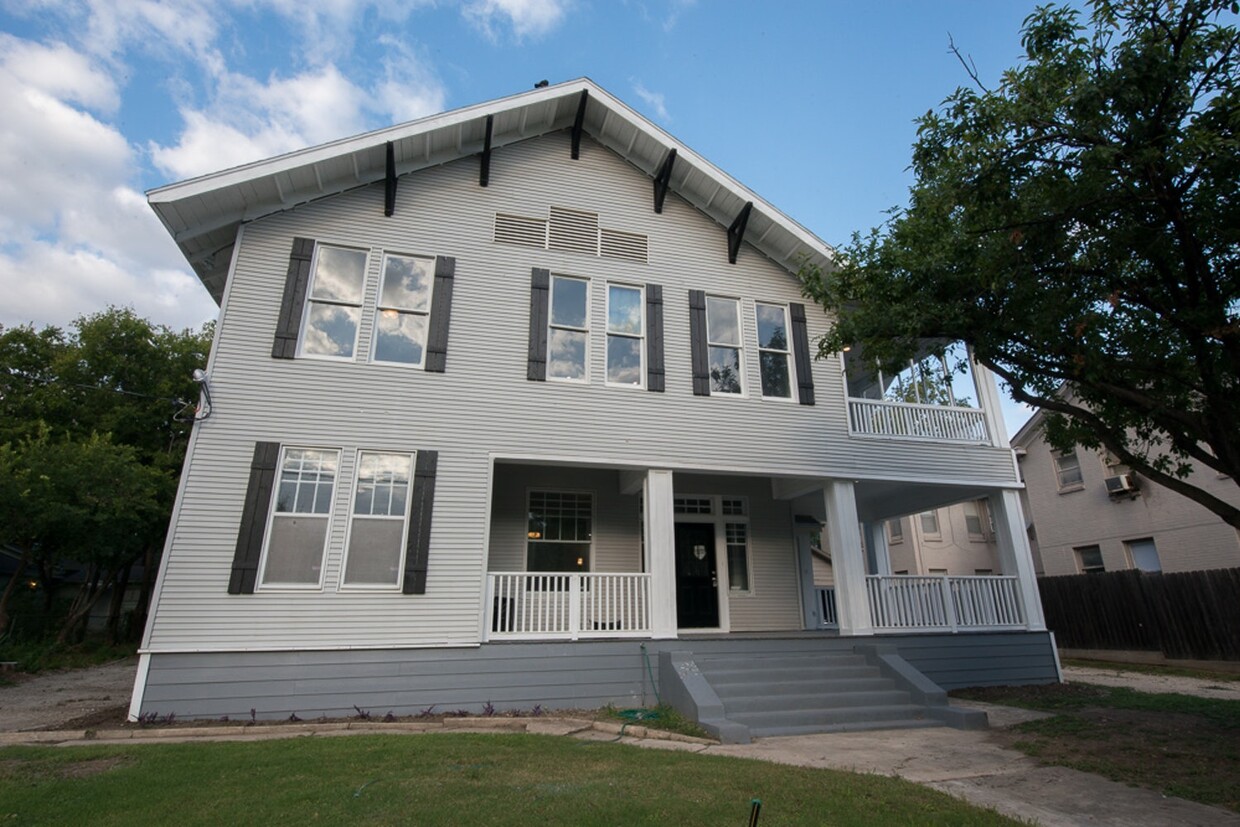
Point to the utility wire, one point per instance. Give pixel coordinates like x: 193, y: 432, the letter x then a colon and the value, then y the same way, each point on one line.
x: 170, y: 399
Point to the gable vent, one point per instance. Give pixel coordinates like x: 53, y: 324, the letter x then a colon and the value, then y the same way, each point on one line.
x: 618, y: 244
x: 574, y: 230
x: 517, y: 229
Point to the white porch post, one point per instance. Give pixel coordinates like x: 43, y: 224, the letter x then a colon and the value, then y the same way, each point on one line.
x: 847, y: 559
x: 878, y: 555
x: 992, y: 405
x: 660, y: 530
x: 1015, y: 558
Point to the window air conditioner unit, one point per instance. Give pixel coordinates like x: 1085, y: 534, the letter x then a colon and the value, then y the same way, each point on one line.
x: 1121, y: 484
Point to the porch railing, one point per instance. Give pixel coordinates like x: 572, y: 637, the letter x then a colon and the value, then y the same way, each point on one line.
x: 824, y: 597
x: 911, y: 420
x: 542, y: 606
x: 943, y: 603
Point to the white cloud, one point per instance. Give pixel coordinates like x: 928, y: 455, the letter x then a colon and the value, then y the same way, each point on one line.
x: 654, y: 100
x: 527, y: 18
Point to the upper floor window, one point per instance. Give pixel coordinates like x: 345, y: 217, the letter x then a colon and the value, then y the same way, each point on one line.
x: 568, y: 338
x: 723, y: 338
x: 625, y: 335
x: 930, y: 524
x: 377, y: 528
x: 1068, y: 470
x: 334, y: 302
x: 1113, y: 465
x: 774, y: 351
x: 297, y: 534
x: 404, y: 308
x: 895, y: 531
x: 977, y: 519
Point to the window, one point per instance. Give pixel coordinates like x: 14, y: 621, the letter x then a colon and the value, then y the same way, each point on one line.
x: 732, y: 506
x: 377, y: 529
x: 929, y: 523
x: 1089, y: 559
x: 895, y: 531
x: 723, y: 338
x: 1112, y: 465
x: 560, y: 531
x: 1068, y: 469
x: 692, y: 505
x: 977, y: 520
x: 334, y: 302
x: 984, y: 572
x: 774, y: 353
x: 404, y: 309
x: 568, y: 340
x: 299, y: 521
x: 1144, y: 555
x: 737, y: 538
x: 625, y: 330
x: 940, y: 572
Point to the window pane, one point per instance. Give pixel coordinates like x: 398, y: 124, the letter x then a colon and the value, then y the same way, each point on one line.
x: 559, y: 557
x: 723, y: 324
x: 382, y: 484
x: 330, y: 330
x: 738, y: 557
x: 374, y: 552
x: 400, y: 337
x: 568, y: 302
x: 772, y: 327
x: 624, y: 310
x: 930, y: 522
x: 1144, y: 555
x: 295, y: 549
x: 725, y: 370
x: 775, y: 381
x: 407, y: 282
x: 1069, y: 468
x: 624, y: 360
x: 1090, y: 559
x: 339, y: 275
x: 896, y: 529
x: 306, y: 480
x: 566, y: 358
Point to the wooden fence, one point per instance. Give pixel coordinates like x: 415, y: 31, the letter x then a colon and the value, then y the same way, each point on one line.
x: 1191, y: 615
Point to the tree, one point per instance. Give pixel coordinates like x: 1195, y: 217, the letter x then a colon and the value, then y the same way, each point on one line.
x: 1078, y: 228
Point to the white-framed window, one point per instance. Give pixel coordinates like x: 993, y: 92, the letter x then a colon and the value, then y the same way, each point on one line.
x: 560, y: 533
x: 297, y: 530
x: 1089, y: 559
x: 334, y: 302
x: 774, y: 350
x: 1144, y: 554
x: 895, y: 531
x: 977, y: 520
x: 930, y: 524
x: 378, y: 525
x: 1068, y: 470
x: 568, y: 334
x: 693, y: 505
x: 723, y: 340
x: 736, y: 538
x: 626, y: 334
x: 402, y: 318
x: 1112, y: 465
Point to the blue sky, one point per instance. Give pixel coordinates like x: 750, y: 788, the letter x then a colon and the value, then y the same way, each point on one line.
x: 810, y: 104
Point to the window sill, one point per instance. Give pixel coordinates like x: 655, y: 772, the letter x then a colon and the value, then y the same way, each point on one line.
x: 1068, y: 489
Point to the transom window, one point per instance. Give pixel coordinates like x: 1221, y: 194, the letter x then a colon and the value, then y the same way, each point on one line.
x: 733, y: 506
x: 723, y: 338
x: 299, y: 521
x: 568, y: 338
x: 560, y: 532
x: 774, y: 351
x: 625, y: 332
x: 404, y: 309
x: 377, y: 529
x: 1068, y: 469
x: 692, y: 505
x: 335, y: 302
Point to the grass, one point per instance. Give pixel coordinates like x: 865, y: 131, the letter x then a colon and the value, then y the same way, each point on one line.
x: 34, y: 656
x: 1180, y: 745
x: 1155, y: 669
x: 661, y: 717
x: 469, y: 779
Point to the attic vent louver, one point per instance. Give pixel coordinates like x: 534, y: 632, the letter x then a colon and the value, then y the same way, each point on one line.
x: 517, y: 229
x: 574, y: 230
x: 617, y: 244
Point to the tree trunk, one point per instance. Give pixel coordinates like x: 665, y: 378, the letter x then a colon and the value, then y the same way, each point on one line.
x: 140, y: 611
x: 11, y: 589
x: 117, y: 604
x: 87, y: 594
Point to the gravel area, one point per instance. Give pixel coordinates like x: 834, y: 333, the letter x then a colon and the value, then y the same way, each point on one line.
x: 1142, y: 682
x: 57, y: 699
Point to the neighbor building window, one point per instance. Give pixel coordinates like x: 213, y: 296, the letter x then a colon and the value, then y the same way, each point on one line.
x: 774, y: 351
x: 404, y: 308
x: 334, y: 302
x: 560, y: 531
x: 723, y: 339
x: 1089, y: 559
x: 625, y: 332
x: 1068, y: 469
x: 380, y: 512
x: 568, y: 337
x: 1144, y: 555
x: 977, y: 520
x: 929, y: 523
x: 895, y: 531
x: 298, y: 532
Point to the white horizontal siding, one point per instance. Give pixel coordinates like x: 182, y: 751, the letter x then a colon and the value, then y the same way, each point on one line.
x: 483, y: 405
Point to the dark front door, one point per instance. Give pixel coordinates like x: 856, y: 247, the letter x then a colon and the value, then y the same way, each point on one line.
x: 697, y: 579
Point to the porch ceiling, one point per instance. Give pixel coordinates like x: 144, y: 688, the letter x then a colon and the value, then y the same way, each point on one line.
x: 884, y: 499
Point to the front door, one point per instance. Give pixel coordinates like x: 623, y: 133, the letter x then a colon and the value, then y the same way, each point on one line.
x: 697, y: 577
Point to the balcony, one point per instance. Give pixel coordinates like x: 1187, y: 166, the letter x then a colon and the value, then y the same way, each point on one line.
x: 910, y: 420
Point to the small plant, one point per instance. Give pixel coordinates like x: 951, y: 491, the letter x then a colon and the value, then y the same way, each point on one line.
x: 488, y: 710
x: 537, y: 711
x: 253, y: 716
x: 224, y: 719
x: 293, y: 719
x: 389, y: 718
x: 362, y: 714
x: 172, y: 716
x: 428, y: 712
x: 148, y: 718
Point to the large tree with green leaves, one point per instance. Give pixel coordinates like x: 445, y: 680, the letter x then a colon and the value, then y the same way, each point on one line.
x: 1078, y: 225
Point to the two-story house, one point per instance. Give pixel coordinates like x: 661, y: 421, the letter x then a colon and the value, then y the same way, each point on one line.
x: 518, y: 405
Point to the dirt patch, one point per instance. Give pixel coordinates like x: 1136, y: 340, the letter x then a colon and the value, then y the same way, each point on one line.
x: 112, y: 717
x: 49, y: 700
x: 96, y: 766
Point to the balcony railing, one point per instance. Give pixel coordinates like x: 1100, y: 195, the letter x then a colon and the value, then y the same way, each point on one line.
x: 911, y: 420
x: 543, y: 606
x: 910, y: 603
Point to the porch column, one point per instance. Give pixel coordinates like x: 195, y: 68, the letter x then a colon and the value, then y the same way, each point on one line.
x: 847, y: 560
x: 1014, y: 554
x: 877, y: 555
x: 990, y: 401
x: 660, y: 535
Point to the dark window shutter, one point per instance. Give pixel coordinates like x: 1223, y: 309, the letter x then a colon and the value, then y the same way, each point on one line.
x: 697, y: 341
x: 800, y: 349
x: 540, y: 299
x: 254, y: 518
x: 654, y: 338
x: 422, y: 503
x: 441, y: 311
x: 288, y: 324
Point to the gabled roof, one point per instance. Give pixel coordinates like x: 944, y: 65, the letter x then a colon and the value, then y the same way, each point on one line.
x: 203, y: 213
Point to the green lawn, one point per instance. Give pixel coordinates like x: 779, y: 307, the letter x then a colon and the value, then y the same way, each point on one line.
x: 471, y: 779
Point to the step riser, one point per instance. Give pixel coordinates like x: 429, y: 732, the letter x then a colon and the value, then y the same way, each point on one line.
x: 782, y: 663
x: 778, y: 675
x: 798, y: 703
x: 800, y: 687
x: 826, y: 717
x: 867, y: 726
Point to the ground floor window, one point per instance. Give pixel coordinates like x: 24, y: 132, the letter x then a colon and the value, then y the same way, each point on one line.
x: 737, y: 536
x: 1089, y: 559
x: 560, y: 532
x: 1144, y: 555
x: 299, y: 520
x: 377, y: 528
